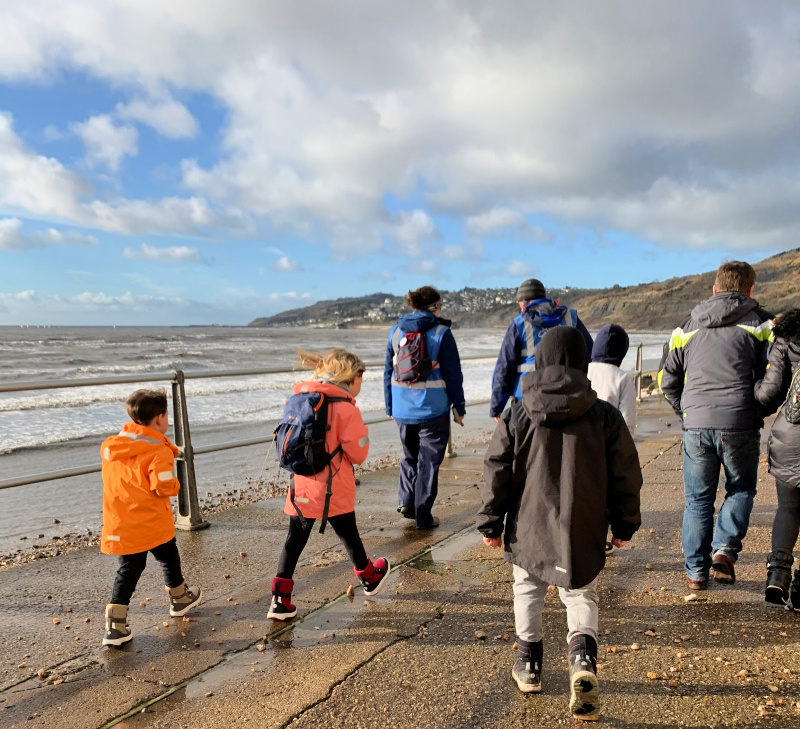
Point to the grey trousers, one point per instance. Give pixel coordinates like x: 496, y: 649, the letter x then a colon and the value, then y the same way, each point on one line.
x: 529, y: 592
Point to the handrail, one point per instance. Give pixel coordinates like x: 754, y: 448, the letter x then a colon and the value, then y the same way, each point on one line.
x: 170, y: 375
x: 214, y: 448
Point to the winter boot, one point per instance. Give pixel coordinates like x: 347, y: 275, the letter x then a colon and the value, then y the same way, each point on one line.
x: 281, y: 607
x: 779, y: 575
x: 527, y: 670
x: 372, y: 576
x: 182, y: 599
x: 794, y: 591
x: 584, y: 701
x: 117, y: 629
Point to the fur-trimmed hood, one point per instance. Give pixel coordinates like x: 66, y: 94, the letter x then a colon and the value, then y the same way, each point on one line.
x: 788, y: 327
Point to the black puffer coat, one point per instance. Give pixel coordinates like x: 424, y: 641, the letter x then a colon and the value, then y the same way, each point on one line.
x: 560, y: 467
x: 784, y: 359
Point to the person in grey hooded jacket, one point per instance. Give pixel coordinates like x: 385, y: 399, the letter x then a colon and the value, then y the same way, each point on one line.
x: 784, y: 459
x: 560, y: 468
x: 708, y: 376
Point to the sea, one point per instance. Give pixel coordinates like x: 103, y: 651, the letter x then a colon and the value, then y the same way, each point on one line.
x: 47, y: 430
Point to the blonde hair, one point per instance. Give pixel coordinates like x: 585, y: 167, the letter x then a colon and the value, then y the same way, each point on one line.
x: 336, y: 365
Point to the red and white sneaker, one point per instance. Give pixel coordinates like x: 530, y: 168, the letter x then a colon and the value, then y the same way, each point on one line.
x: 372, y: 576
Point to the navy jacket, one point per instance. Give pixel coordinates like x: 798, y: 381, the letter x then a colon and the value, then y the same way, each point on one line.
x: 449, y: 364
x: 504, y: 380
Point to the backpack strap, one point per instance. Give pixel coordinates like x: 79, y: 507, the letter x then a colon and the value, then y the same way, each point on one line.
x: 303, y: 520
x: 329, y: 481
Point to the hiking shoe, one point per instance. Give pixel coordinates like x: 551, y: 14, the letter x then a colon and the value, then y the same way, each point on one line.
x: 281, y: 607
x: 527, y: 669
x: 373, y: 575
x: 182, y: 599
x: 696, y: 585
x: 407, y: 512
x: 794, y: 591
x: 117, y: 629
x: 779, y: 577
x: 722, y: 567
x: 584, y: 699
x: 609, y: 548
x: 434, y: 522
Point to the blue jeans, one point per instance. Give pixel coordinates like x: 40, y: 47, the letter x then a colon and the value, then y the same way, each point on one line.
x: 704, y: 451
x: 424, y: 447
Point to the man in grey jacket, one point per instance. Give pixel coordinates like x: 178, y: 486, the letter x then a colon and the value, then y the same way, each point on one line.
x: 714, y: 360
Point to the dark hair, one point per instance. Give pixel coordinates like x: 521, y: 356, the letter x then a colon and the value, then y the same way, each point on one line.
x: 423, y: 297
x: 735, y: 276
x: 146, y: 405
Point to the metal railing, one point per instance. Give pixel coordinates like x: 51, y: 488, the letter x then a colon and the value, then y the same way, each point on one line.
x: 189, y: 516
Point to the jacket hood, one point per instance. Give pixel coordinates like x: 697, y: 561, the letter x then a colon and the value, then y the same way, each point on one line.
x: 134, y: 440
x: 329, y: 389
x: 788, y: 327
x: 544, y: 313
x: 558, y: 391
x: 421, y: 321
x: 610, y: 345
x: 723, y: 309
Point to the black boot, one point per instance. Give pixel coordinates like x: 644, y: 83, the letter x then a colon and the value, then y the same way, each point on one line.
x: 527, y: 670
x: 794, y: 591
x: 779, y: 575
x: 584, y: 702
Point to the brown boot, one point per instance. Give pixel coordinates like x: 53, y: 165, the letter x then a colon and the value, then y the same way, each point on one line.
x: 182, y: 599
x: 117, y: 629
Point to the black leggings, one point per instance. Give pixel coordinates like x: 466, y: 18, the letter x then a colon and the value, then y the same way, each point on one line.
x: 131, y: 567
x: 345, y: 527
x: 786, y: 525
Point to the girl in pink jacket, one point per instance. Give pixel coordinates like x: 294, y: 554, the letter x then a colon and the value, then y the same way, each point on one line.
x: 338, y: 374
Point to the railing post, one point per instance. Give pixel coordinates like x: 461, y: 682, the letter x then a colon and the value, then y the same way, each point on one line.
x: 638, y: 372
x: 189, y: 517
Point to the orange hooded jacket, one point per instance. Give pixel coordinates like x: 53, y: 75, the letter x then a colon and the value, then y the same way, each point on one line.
x: 138, y: 479
x: 345, y: 426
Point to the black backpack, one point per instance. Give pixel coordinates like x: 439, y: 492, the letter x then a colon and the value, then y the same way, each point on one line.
x: 300, y: 442
x: 791, y: 408
x: 411, y: 363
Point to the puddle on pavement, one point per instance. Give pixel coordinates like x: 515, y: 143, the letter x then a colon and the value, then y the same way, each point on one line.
x: 452, y: 558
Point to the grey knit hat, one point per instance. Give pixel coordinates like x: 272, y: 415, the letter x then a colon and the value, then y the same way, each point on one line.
x: 531, y: 289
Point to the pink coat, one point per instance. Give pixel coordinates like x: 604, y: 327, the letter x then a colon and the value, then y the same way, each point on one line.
x: 346, y: 426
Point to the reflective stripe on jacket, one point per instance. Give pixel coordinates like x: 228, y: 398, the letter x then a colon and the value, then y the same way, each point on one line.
x: 138, y: 480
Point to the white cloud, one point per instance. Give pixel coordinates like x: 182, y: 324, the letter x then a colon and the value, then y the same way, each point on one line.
x: 284, y: 264
x: 167, y: 116
x: 494, y: 220
x: 106, y: 144
x: 170, y: 254
x: 414, y: 228
x: 539, y: 109
x: 12, y: 237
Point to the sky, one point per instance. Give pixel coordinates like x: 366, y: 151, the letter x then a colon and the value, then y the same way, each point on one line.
x: 191, y: 162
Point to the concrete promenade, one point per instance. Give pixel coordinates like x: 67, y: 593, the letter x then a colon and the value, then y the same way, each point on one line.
x: 433, y: 649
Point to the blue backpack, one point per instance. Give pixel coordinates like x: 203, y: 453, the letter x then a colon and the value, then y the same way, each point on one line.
x: 300, y: 442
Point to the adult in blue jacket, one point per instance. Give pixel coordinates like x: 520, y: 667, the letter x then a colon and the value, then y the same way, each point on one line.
x: 422, y: 408
x: 536, y: 315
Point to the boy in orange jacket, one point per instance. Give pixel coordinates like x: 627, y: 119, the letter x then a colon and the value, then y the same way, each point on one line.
x: 138, y: 480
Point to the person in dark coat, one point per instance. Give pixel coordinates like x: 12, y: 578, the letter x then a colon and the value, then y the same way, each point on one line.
x: 784, y: 460
x: 560, y: 468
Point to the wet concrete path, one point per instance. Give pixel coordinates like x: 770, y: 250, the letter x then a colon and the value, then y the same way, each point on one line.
x: 433, y: 649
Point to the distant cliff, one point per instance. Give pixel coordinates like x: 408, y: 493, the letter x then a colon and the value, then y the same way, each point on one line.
x: 659, y: 306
